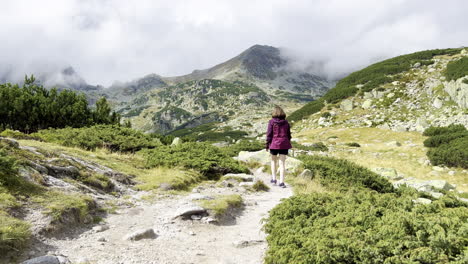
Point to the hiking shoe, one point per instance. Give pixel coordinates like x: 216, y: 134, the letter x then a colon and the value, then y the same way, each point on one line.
x: 273, y: 181
x: 282, y: 185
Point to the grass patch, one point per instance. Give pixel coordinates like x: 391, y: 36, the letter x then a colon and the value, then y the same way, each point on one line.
x: 260, y: 186
x: 14, y: 233
x: 220, y: 205
x: 57, y: 204
x: 209, y: 160
x: 177, y: 179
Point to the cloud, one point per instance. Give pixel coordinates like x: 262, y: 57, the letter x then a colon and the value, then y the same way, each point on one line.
x: 108, y: 40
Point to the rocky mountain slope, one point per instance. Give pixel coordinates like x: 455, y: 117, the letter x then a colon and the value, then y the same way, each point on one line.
x: 411, y: 100
x: 235, y: 92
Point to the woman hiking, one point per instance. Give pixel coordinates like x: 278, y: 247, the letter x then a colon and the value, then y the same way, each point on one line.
x: 278, y: 142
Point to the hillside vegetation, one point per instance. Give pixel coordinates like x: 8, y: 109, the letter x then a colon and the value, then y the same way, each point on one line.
x: 371, y: 77
x: 361, y: 219
x: 32, y: 107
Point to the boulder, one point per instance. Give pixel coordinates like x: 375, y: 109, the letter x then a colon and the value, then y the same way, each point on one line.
x: 389, y: 173
x: 367, y: 104
x: 417, y: 65
x: 188, y: 211
x: 47, y: 260
x: 422, y: 201
x: 141, y: 234
x: 307, y: 174
x: 440, y: 184
x: 176, y: 141
x: 263, y: 157
x: 241, y: 176
x: 437, y: 103
x: 57, y: 171
x: 347, y: 105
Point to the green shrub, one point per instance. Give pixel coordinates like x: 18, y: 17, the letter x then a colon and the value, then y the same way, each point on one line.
x: 260, y: 186
x: 457, y: 69
x: 454, y: 154
x: 15, y: 134
x: 202, y: 157
x: 449, y: 145
x: 243, y: 145
x: 14, y: 233
x: 325, y: 114
x: 371, y: 77
x: 434, y: 131
x: 353, y: 144
x: 318, y: 146
x: 344, y: 175
x: 366, y: 227
x: 115, y: 138
x: 438, y: 140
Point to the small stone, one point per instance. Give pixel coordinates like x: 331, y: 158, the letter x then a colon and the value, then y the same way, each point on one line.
x: 437, y: 168
x: 422, y: 201
x: 191, y: 233
x: 165, y: 186
x: 451, y: 173
x: 43, y: 260
x: 417, y: 65
x: 393, y: 144
x: 436, y: 195
x: 102, y: 239
x: 100, y: 228
x: 246, y: 243
x: 196, y: 217
x: 306, y: 174
x: 246, y: 184
x: 141, y: 234
x: 176, y: 141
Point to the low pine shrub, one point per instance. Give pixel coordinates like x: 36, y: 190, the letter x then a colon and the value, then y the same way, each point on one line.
x: 203, y: 157
x: 434, y: 131
x: 454, y: 154
x: 353, y: 144
x: 243, y: 145
x: 112, y: 137
x: 457, y: 69
x: 344, y: 175
x: 446, y: 138
x: 366, y: 227
x: 449, y: 145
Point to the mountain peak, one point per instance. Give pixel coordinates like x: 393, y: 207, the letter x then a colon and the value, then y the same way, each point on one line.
x: 261, y: 60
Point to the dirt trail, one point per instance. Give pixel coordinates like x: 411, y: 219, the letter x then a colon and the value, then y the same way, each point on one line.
x: 177, y: 241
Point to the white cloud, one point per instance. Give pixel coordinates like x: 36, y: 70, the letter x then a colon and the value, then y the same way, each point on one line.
x: 120, y: 40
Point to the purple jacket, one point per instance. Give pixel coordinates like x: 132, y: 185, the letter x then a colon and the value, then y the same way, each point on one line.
x: 278, y: 134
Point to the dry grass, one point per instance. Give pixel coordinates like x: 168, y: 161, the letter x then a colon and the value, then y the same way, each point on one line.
x: 131, y: 164
x: 375, y: 152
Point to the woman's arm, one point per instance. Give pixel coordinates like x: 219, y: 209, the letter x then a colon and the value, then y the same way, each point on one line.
x: 269, y: 135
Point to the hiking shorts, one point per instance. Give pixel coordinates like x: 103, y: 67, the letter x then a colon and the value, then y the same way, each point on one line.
x: 279, y: 151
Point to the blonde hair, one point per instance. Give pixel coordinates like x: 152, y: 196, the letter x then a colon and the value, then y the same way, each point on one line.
x: 278, y: 112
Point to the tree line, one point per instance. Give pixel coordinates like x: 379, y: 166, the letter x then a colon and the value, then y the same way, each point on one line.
x: 31, y: 107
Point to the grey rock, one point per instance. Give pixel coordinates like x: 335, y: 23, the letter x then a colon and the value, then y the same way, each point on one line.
x: 190, y: 210
x: 440, y: 184
x: 57, y: 171
x: 437, y: 103
x: 176, y: 141
x: 436, y: 195
x: 307, y: 174
x: 43, y: 260
x: 100, y: 228
x: 246, y: 243
x: 389, y: 173
x: 417, y: 65
x: 422, y: 201
x: 347, y: 105
x: 41, y: 169
x: 451, y: 173
x: 31, y: 149
x: 10, y: 142
x: 245, y: 177
x: 141, y: 234
x: 199, y: 196
x: 102, y: 239
x: 367, y: 104
x: 437, y: 168
x: 196, y: 217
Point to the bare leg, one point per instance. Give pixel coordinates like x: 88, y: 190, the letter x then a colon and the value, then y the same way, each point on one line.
x: 282, y: 167
x: 274, y: 161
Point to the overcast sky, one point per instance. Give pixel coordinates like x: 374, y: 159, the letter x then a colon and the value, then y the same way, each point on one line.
x: 107, y: 40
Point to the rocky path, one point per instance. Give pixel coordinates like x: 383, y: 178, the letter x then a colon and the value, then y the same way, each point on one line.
x: 176, y: 241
